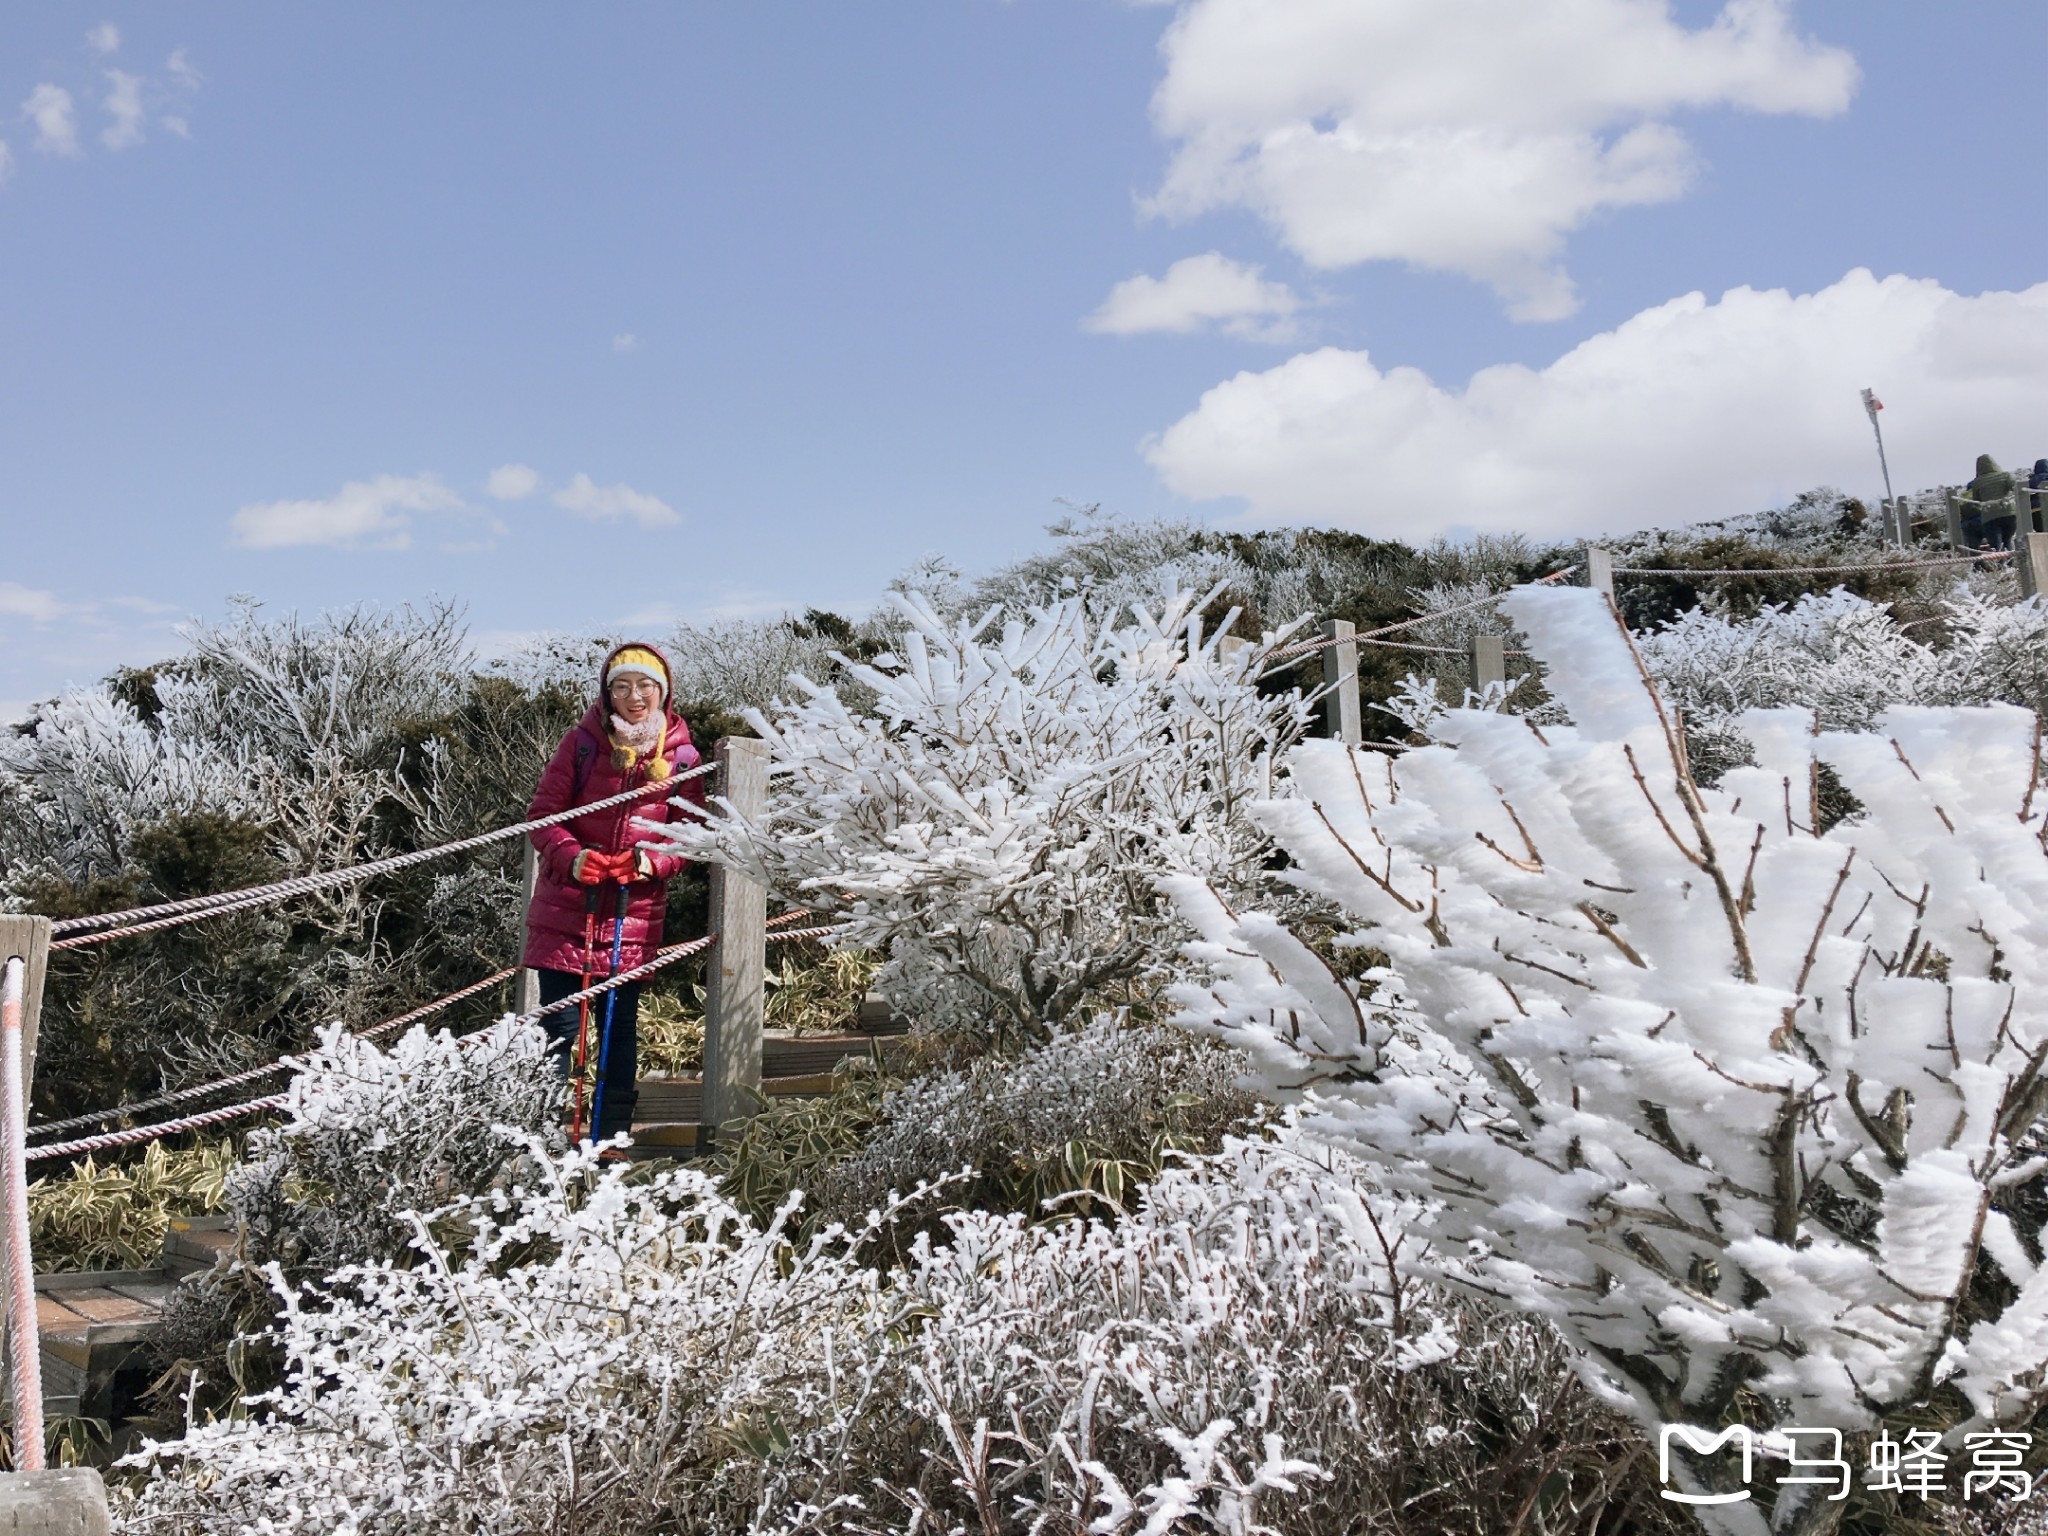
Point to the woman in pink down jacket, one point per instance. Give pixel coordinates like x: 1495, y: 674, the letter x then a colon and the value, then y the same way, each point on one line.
x: 628, y: 738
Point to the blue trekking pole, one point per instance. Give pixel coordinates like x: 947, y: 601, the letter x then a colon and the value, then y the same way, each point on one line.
x: 604, y: 1038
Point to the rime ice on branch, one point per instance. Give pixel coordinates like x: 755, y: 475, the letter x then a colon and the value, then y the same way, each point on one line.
x: 1732, y: 1102
x: 994, y: 820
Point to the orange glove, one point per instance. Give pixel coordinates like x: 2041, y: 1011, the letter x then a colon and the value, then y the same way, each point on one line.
x: 594, y: 866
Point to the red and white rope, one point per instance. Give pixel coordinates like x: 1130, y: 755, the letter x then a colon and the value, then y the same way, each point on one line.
x: 1434, y: 650
x: 1310, y: 647
x: 1823, y: 570
x: 134, y: 1136
x: 137, y: 919
x: 24, y: 1357
x: 256, y: 1074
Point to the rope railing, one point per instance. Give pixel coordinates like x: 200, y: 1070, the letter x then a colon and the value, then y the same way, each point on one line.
x: 1433, y: 650
x: 147, y: 919
x: 1310, y: 647
x: 1818, y: 570
x: 207, y: 1090
x: 136, y: 1135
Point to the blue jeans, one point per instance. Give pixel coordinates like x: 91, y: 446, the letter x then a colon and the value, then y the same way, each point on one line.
x: 622, y: 1062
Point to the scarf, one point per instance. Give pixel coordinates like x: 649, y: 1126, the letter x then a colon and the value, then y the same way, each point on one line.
x: 634, y: 743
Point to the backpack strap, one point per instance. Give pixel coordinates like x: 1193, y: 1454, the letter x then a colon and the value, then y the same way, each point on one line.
x: 586, y: 755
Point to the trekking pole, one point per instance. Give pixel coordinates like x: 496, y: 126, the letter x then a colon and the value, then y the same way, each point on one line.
x: 604, y: 1037
x: 582, y: 1052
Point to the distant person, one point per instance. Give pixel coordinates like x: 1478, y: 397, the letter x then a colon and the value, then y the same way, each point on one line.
x: 1992, y: 499
x: 2037, y: 482
x: 593, y: 880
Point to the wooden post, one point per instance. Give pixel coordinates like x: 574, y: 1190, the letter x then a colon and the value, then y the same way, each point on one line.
x: 1600, y: 570
x: 735, y: 1004
x: 1340, y: 681
x: 526, y: 989
x: 1952, y: 504
x: 28, y: 937
x: 2030, y: 554
x: 1489, y: 661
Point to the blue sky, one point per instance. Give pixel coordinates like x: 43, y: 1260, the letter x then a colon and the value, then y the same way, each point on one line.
x: 773, y: 300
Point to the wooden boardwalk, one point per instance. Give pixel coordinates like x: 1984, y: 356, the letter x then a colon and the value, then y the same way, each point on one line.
x: 95, y: 1326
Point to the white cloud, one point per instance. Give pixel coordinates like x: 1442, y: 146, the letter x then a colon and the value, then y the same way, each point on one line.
x: 6, y: 161
x: 1199, y: 291
x: 124, y: 105
x: 49, y: 108
x: 362, y: 514
x: 512, y: 482
x: 104, y: 38
x: 31, y: 603
x: 1687, y: 411
x: 625, y: 341
x: 605, y: 502
x: 179, y: 65
x: 1468, y: 136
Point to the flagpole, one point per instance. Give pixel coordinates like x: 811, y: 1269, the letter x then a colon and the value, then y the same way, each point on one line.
x: 1871, y: 406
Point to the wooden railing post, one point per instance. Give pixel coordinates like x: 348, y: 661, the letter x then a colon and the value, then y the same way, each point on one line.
x: 1600, y: 570
x: 1340, y: 678
x: 735, y: 1010
x: 1952, y: 505
x: 2030, y: 554
x: 28, y: 937
x: 1489, y: 661
x: 526, y: 989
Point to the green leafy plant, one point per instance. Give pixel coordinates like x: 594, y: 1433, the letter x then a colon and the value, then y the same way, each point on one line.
x: 805, y: 995
x: 69, y: 1440
x: 671, y: 1033
x: 113, y: 1216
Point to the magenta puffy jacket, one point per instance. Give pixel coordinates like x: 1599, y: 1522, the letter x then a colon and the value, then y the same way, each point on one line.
x: 555, y: 919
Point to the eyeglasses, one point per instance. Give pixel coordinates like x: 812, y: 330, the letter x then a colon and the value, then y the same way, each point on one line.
x: 625, y: 685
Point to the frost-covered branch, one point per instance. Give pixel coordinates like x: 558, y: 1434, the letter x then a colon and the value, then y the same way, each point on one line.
x: 1736, y: 1105
x: 992, y: 821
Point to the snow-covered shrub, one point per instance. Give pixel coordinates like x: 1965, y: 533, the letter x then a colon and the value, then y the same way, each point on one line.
x: 1094, y: 1109
x: 1742, y: 1109
x: 370, y: 1136
x: 298, y: 726
x: 615, y: 1354
x: 989, y: 822
x: 270, y: 746
x: 1245, y: 1352
x: 1847, y: 659
x: 85, y: 773
x: 600, y: 1356
x: 744, y: 664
